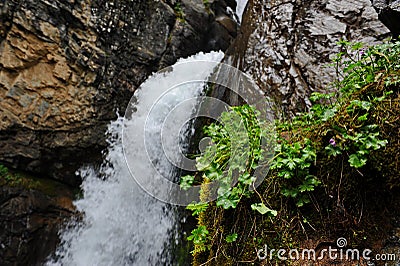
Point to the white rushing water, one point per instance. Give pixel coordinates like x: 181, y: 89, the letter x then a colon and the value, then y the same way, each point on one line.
x: 121, y: 224
x: 240, y: 7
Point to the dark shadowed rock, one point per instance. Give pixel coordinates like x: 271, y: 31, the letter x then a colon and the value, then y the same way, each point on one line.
x: 389, y: 14
x: 29, y: 222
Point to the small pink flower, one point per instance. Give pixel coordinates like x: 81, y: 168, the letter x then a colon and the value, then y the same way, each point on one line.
x: 332, y: 142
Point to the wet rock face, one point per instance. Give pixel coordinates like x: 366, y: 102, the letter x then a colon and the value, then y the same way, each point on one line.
x: 389, y: 14
x: 286, y: 45
x: 67, y: 66
x: 29, y: 223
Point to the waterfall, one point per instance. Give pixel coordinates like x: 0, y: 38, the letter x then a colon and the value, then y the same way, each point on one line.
x: 240, y: 7
x: 121, y: 224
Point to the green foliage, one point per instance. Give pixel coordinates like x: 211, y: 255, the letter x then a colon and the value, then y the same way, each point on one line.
x: 231, y: 238
x: 236, y: 148
x: 261, y: 208
x: 293, y: 161
x: 363, y: 143
x: 186, y: 182
x: 3, y: 170
x: 361, y: 66
x: 231, y: 159
x: 199, y: 237
x: 14, y: 178
x: 338, y: 124
x: 179, y: 12
x: 10, y: 178
x: 197, y: 208
x: 344, y: 128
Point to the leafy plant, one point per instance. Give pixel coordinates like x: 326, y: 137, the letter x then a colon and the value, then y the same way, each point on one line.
x: 293, y: 161
x: 341, y: 127
x: 232, y: 157
x: 364, y: 142
x: 261, y: 208
x: 199, y: 237
x: 197, y: 208
x: 342, y: 118
x: 231, y: 238
x: 179, y: 12
x: 361, y: 66
x: 3, y: 171
x: 186, y: 182
x: 11, y: 178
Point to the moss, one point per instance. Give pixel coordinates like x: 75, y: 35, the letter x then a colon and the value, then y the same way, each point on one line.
x: 49, y: 187
x: 348, y: 204
x: 207, y: 6
x: 179, y: 12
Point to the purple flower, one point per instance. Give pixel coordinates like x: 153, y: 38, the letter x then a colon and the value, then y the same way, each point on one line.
x: 332, y: 142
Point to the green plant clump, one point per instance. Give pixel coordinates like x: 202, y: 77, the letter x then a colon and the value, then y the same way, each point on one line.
x: 231, y: 161
x: 349, y: 127
x: 8, y: 176
x: 179, y: 12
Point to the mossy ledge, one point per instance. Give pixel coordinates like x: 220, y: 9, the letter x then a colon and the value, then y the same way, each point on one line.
x: 22, y: 179
x: 358, y: 191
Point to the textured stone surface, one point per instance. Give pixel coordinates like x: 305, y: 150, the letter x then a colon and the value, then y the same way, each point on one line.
x: 66, y: 67
x: 389, y: 14
x: 286, y: 45
x: 29, y: 223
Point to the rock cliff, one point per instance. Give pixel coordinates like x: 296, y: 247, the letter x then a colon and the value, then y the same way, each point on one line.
x: 66, y: 67
x: 287, y: 45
